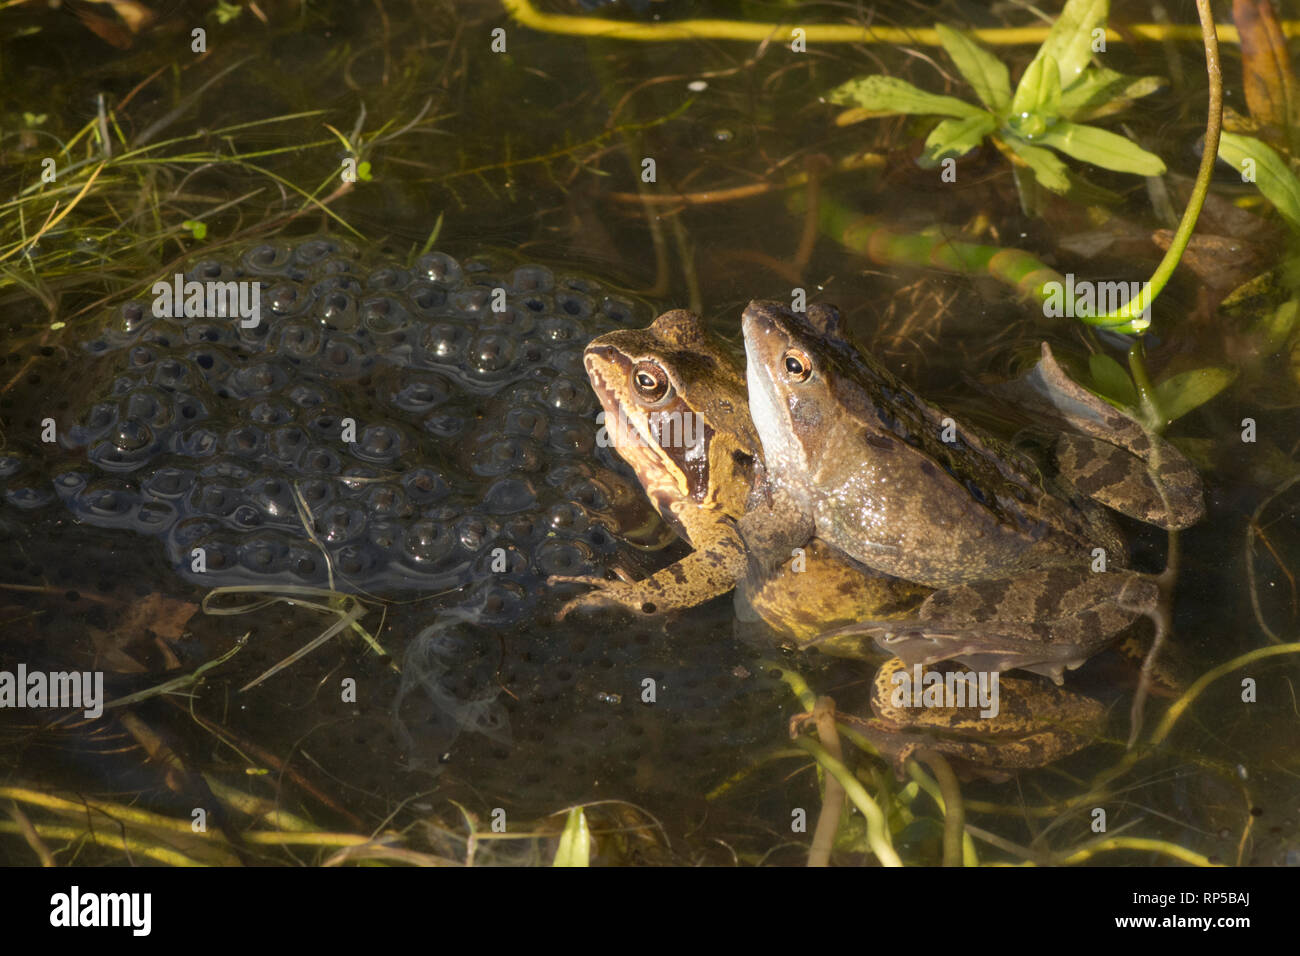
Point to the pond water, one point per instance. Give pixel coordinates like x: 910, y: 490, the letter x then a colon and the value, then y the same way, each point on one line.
x: 420, y: 157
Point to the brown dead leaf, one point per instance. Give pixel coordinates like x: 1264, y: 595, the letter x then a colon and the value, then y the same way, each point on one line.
x: 164, y: 616
x: 1267, y: 79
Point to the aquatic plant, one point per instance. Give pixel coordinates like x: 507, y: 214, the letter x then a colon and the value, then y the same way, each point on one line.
x: 1047, y: 111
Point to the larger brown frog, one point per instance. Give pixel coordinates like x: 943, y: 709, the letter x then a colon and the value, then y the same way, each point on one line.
x: 856, y: 458
x: 676, y: 411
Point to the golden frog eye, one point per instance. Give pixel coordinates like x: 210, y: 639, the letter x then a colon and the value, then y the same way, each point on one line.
x: 650, y: 382
x: 797, y: 364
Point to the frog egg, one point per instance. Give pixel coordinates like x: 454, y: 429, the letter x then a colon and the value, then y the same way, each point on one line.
x: 532, y: 278
x: 311, y: 396
x: 424, y: 486
x: 444, y: 426
x: 210, y: 270
x: 567, y: 518
x: 246, y: 441
x: 566, y: 395
x: 201, y: 331
x: 560, y: 556
x: 444, y: 343
x: 420, y: 391
x: 384, y: 317
x: 271, y: 413
x: 387, y: 500
x: 256, y: 379
x: 379, y: 444
x: 575, y: 304
x: 133, y: 317
x: 212, y: 363
x: 272, y: 497
x: 388, y: 278
x: 340, y: 523
x: 570, y: 438
x: 214, y: 498
x: 301, y: 340
x: 510, y: 496
x: 473, y: 532
x: 530, y: 422
x: 11, y: 464
x: 427, y: 544
x: 618, y: 310
x: 505, y: 454
x: 342, y: 359
x: 141, y: 357
x: 108, y: 503
x: 426, y: 299
x: 155, y: 517
x: 264, y: 553
x: 316, y: 493
x: 171, y: 373
x: 491, y: 353
x: 336, y: 309
x: 267, y: 258
x: 314, y: 250
x: 472, y: 303
x: 168, y: 483
x: 96, y: 423
x: 29, y: 499
x: 322, y: 461
x: 284, y: 300
x: 288, y: 445
x: 439, y: 268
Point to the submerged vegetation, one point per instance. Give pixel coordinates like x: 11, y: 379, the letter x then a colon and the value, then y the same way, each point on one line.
x: 705, y: 173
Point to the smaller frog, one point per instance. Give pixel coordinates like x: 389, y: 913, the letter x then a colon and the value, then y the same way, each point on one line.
x: 1035, y: 722
x: 856, y: 458
x: 676, y: 411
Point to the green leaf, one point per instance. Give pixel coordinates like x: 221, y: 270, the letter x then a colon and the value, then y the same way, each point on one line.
x: 1039, y: 91
x: 1271, y: 173
x: 986, y: 74
x: 1111, y: 380
x: 575, y: 841
x: 1089, y: 144
x: 197, y: 228
x: 886, y: 96
x: 1177, y: 396
x: 1047, y: 167
x: 956, y: 137
x: 1069, y: 42
x: 1101, y: 92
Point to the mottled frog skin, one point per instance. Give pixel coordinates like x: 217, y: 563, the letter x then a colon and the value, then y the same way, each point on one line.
x: 676, y: 411
x: 857, y: 459
x: 1036, y: 723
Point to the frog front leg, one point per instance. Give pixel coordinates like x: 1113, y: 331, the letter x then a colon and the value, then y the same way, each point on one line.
x: 712, y: 569
x: 1044, y: 621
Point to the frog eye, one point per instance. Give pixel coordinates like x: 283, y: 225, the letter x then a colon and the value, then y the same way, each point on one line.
x: 797, y: 365
x: 650, y: 382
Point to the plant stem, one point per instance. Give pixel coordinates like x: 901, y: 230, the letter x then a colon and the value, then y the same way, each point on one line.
x: 1209, y: 155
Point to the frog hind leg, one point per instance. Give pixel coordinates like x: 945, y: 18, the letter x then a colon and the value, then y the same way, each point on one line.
x: 1167, y: 493
x: 718, y: 562
x: 1045, y: 621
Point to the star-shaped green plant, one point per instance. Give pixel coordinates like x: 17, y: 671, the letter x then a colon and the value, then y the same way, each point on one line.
x: 1058, y: 91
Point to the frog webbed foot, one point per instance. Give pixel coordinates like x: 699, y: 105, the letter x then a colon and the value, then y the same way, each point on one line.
x: 605, y: 593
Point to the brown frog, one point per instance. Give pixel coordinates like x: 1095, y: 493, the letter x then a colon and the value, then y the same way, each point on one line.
x: 856, y: 458
x: 1025, y: 722
x: 676, y: 411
